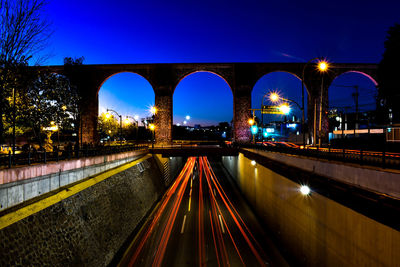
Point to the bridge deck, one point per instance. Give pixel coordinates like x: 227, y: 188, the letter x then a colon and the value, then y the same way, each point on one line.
x: 187, y: 151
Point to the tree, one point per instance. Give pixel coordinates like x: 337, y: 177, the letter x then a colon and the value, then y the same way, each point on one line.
x: 23, y: 33
x: 50, y: 98
x: 108, y: 125
x: 389, y: 78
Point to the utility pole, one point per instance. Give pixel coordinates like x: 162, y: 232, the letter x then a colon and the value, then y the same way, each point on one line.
x: 355, y: 96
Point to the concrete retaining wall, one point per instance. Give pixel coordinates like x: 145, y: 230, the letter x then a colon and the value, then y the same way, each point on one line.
x: 20, y: 184
x: 87, y: 228
x: 371, y: 178
x: 314, y: 230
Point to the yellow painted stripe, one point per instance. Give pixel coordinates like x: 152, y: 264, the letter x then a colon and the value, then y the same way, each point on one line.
x: 33, y: 208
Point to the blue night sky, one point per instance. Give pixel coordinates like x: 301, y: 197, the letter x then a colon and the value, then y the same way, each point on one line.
x: 107, y: 32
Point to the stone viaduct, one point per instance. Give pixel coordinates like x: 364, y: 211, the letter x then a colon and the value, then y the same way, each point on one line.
x: 241, y: 77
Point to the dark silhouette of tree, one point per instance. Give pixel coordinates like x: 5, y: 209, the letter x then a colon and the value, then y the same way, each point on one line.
x: 50, y: 98
x: 73, y: 72
x: 389, y: 78
x: 69, y: 61
x: 23, y: 33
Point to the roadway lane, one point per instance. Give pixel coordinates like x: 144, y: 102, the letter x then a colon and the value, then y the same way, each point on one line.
x: 201, y: 220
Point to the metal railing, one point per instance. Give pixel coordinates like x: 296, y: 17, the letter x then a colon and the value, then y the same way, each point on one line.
x: 363, y: 157
x: 34, y: 157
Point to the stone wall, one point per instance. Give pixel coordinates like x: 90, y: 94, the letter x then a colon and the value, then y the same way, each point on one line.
x: 241, y: 115
x: 163, y: 119
x: 313, y: 230
x: 23, y: 183
x: 87, y: 228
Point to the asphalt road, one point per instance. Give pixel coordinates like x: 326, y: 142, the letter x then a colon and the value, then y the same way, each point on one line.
x: 202, y: 221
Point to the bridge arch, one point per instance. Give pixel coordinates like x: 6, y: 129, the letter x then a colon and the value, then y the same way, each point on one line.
x: 352, y: 97
x: 164, y: 77
x: 197, y: 94
x: 288, y: 85
x: 130, y: 95
x: 369, y: 76
x: 186, y: 74
x: 107, y: 76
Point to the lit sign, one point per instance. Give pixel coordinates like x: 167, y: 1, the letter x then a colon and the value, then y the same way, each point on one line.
x: 291, y: 125
x: 271, y: 110
x: 270, y: 130
x: 254, y: 129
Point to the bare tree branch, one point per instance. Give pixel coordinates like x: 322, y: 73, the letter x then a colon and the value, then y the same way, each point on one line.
x: 23, y: 32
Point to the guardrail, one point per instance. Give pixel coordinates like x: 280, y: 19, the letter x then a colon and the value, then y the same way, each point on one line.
x: 32, y: 157
x: 362, y: 157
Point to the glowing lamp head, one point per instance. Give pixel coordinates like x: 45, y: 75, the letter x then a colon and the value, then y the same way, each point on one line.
x: 152, y: 126
x: 64, y: 107
x: 109, y: 131
x: 323, y: 66
x: 274, y: 97
x: 284, y: 108
x: 253, y: 163
x: 153, y: 110
x: 305, y: 190
x: 52, y: 122
x: 254, y: 129
x: 251, y: 121
x: 187, y: 117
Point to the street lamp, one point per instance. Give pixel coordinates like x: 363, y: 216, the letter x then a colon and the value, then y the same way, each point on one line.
x: 136, y: 119
x: 152, y: 128
x: 285, y: 108
x: 253, y: 128
x: 322, y: 66
x: 274, y: 97
x: 108, y: 115
x: 153, y: 110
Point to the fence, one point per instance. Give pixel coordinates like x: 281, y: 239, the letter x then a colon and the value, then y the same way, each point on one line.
x: 32, y: 157
x: 363, y: 157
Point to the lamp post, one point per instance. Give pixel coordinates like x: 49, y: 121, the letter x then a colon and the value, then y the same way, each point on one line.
x: 284, y: 107
x: 273, y: 98
x: 136, y: 119
x: 14, y: 115
x: 322, y: 66
x: 251, y: 122
x: 120, y: 124
x: 152, y: 128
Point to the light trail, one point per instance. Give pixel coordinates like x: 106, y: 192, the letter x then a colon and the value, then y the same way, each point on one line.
x: 215, y: 206
x: 183, y: 224
x: 234, y: 244
x: 190, y: 198
x: 215, y: 242
x: 156, y: 218
x: 222, y: 225
x: 256, y: 254
x: 217, y: 184
x: 201, y: 220
x: 171, y: 220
